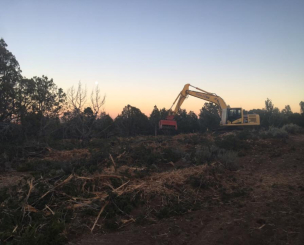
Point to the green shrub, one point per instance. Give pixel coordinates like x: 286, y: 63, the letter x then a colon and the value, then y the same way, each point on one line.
x: 292, y: 128
x: 245, y: 134
x: 228, y: 159
x: 145, y: 156
x: 65, y: 144
x: 274, y: 132
x: 206, y: 154
x: 230, y: 142
x: 43, y: 166
x: 172, y: 154
x: 10, y: 151
x: 52, y: 234
x: 31, y: 229
x: 200, y: 181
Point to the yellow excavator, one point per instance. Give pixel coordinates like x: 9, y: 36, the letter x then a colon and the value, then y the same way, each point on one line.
x: 230, y: 117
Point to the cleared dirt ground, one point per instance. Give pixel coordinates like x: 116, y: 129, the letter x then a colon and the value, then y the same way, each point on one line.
x: 178, y: 201
x: 272, y: 212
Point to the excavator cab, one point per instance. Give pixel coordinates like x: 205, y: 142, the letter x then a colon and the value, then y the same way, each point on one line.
x: 168, y: 123
x: 234, y: 115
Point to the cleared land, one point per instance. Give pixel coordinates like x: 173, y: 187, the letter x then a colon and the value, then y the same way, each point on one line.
x: 188, y: 189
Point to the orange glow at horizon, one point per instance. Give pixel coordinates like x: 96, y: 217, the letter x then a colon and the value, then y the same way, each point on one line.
x: 192, y: 104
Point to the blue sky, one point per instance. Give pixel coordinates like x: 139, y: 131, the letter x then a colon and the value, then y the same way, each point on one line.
x: 143, y: 52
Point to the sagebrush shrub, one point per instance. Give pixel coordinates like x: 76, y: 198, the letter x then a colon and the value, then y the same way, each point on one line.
x: 274, y: 132
x: 228, y: 159
x: 206, y: 154
x: 292, y: 128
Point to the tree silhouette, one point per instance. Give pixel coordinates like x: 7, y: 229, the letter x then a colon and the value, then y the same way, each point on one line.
x: 302, y: 107
x: 187, y: 122
x: 287, y: 110
x: 154, y: 118
x: 132, y: 122
x: 10, y: 74
x: 209, y: 118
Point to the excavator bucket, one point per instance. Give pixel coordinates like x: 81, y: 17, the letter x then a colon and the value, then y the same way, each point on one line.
x: 169, y: 123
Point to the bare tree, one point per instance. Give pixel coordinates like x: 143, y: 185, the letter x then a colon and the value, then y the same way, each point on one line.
x: 96, y: 100
x: 77, y: 98
x: 83, y: 116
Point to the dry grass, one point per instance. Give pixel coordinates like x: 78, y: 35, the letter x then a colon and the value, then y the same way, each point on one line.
x: 56, y: 155
x: 157, y: 183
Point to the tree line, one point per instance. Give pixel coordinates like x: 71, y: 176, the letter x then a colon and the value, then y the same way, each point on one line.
x: 36, y: 110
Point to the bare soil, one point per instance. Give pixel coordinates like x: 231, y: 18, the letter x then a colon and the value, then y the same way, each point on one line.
x: 270, y: 212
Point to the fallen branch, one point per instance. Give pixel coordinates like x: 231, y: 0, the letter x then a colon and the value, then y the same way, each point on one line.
x: 29, y: 208
x: 16, y: 227
x: 30, y: 183
x: 53, y: 213
x: 126, y: 222
x: 114, y: 164
x: 81, y: 205
x: 121, y: 155
x: 62, y: 183
x: 121, y: 186
x: 98, y: 176
x: 98, y: 216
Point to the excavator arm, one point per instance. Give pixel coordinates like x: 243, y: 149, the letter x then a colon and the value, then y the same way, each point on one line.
x: 204, y: 95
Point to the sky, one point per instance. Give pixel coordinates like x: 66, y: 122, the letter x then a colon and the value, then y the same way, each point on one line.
x: 142, y: 52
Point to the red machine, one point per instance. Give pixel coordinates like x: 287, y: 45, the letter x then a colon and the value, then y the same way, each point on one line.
x: 169, y: 123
